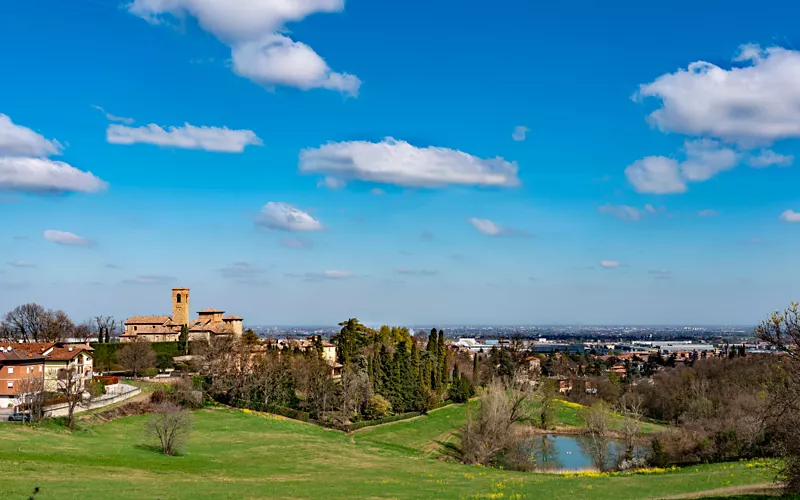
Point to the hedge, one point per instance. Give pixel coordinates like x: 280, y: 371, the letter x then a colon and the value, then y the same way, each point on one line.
x: 303, y: 416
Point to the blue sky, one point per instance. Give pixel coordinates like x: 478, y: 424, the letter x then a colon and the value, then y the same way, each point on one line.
x: 332, y: 159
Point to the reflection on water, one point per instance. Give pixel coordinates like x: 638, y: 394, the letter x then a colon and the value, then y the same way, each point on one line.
x: 550, y: 452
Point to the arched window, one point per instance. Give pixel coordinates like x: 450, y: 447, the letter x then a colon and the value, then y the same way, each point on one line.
x: 179, y: 298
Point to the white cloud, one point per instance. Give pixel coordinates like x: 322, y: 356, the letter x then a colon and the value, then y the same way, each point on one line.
x: 623, y: 212
x: 16, y: 140
x: 331, y: 183
x: 21, y: 263
x: 751, y: 105
x: 704, y: 158
x: 284, y: 217
x: 278, y: 60
x: 656, y: 175
x: 520, y: 133
x: 42, y: 175
x: 486, y: 226
x: 216, y: 139
x: 790, y: 216
x: 609, y: 264
x: 767, y: 158
x: 251, y: 28
x: 398, y: 162
x: 114, y: 118
x: 66, y: 238
x: 707, y: 213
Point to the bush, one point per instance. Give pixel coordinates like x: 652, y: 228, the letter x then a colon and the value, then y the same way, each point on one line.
x: 369, y: 423
x: 163, y: 361
x: 150, y: 372
x: 159, y: 396
x: 378, y: 407
x: 97, y: 388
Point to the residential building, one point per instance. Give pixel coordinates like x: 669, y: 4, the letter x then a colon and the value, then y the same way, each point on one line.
x: 15, y: 367
x: 60, y: 356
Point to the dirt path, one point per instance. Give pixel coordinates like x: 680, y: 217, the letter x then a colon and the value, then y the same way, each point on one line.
x: 771, y: 489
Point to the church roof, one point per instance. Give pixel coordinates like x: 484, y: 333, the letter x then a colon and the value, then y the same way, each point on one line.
x: 147, y: 320
x: 232, y: 318
x: 210, y: 311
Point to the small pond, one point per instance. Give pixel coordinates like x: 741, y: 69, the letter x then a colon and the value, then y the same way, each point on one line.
x: 553, y: 452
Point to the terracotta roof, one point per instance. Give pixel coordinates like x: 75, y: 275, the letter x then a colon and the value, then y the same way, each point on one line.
x: 147, y: 320
x: 15, y: 356
x: 65, y: 354
x: 232, y: 318
x: 209, y: 311
x: 31, y: 347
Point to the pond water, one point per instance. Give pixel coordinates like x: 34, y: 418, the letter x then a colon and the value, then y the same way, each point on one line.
x: 564, y: 452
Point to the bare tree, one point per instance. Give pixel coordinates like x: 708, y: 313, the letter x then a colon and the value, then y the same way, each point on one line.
x: 137, y: 357
x: 631, y: 408
x: 31, y: 393
x: 596, y: 420
x: 106, y: 326
x: 75, y: 387
x: 491, y: 429
x: 783, y: 415
x: 25, y: 323
x: 57, y: 327
x: 170, y: 425
x: 356, y: 389
x: 84, y: 332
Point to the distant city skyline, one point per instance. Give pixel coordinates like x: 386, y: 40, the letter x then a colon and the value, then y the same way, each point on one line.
x: 577, y: 163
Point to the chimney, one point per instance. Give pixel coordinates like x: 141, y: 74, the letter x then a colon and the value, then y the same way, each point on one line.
x: 70, y: 349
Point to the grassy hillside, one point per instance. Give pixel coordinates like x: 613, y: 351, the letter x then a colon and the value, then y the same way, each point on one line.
x: 234, y: 454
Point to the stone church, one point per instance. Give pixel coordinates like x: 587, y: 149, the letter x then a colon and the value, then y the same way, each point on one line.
x: 209, y: 323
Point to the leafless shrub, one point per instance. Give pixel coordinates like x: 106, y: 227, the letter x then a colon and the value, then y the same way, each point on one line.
x: 169, y: 426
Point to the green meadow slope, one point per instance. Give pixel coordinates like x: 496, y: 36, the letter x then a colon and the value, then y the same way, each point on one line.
x: 241, y: 455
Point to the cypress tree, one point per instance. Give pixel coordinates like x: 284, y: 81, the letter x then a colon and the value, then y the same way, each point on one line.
x: 432, y: 361
x: 442, y: 360
x: 475, y: 370
x: 454, y: 377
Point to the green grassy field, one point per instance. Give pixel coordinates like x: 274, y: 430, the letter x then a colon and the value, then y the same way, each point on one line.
x: 240, y: 455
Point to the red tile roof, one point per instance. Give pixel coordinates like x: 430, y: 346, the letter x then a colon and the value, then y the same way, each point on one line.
x: 67, y: 353
x: 147, y: 320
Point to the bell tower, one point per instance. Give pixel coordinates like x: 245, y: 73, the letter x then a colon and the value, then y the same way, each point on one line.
x: 180, y: 306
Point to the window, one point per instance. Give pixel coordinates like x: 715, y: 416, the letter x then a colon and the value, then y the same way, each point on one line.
x: 134, y: 328
x: 10, y: 370
x: 179, y: 298
x: 11, y: 385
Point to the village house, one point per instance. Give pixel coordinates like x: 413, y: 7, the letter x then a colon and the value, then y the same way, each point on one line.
x: 58, y: 357
x: 15, y: 367
x: 209, y: 323
x: 328, y: 351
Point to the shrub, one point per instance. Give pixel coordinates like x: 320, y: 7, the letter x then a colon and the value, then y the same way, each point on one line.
x: 151, y: 372
x: 97, y: 388
x: 163, y: 361
x: 170, y: 425
x: 159, y: 396
x: 378, y: 407
x: 461, y: 390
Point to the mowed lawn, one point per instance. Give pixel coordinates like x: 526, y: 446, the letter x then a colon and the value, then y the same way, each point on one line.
x: 239, y: 455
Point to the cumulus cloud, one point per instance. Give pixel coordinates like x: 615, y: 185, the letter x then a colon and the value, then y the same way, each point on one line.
x: 331, y: 183
x: 707, y: 213
x: 16, y: 140
x: 704, y: 158
x: 790, y: 216
x: 114, y: 118
x: 279, y: 60
x: 21, y: 263
x: 520, y: 133
x: 767, y: 158
x: 656, y: 175
x: 622, y: 212
x: 25, y: 168
x: 609, y: 264
x: 398, y: 162
x: 285, y: 217
x: 42, y: 176
x: 252, y: 29
x: 66, y: 238
x: 758, y: 103
x: 219, y: 139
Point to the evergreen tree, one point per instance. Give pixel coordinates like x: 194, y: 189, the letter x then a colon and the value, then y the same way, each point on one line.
x: 475, y: 369
x: 442, y: 360
x: 183, y: 340
x: 433, y: 357
x: 454, y: 376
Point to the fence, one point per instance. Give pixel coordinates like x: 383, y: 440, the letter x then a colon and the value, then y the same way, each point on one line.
x: 114, y: 394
